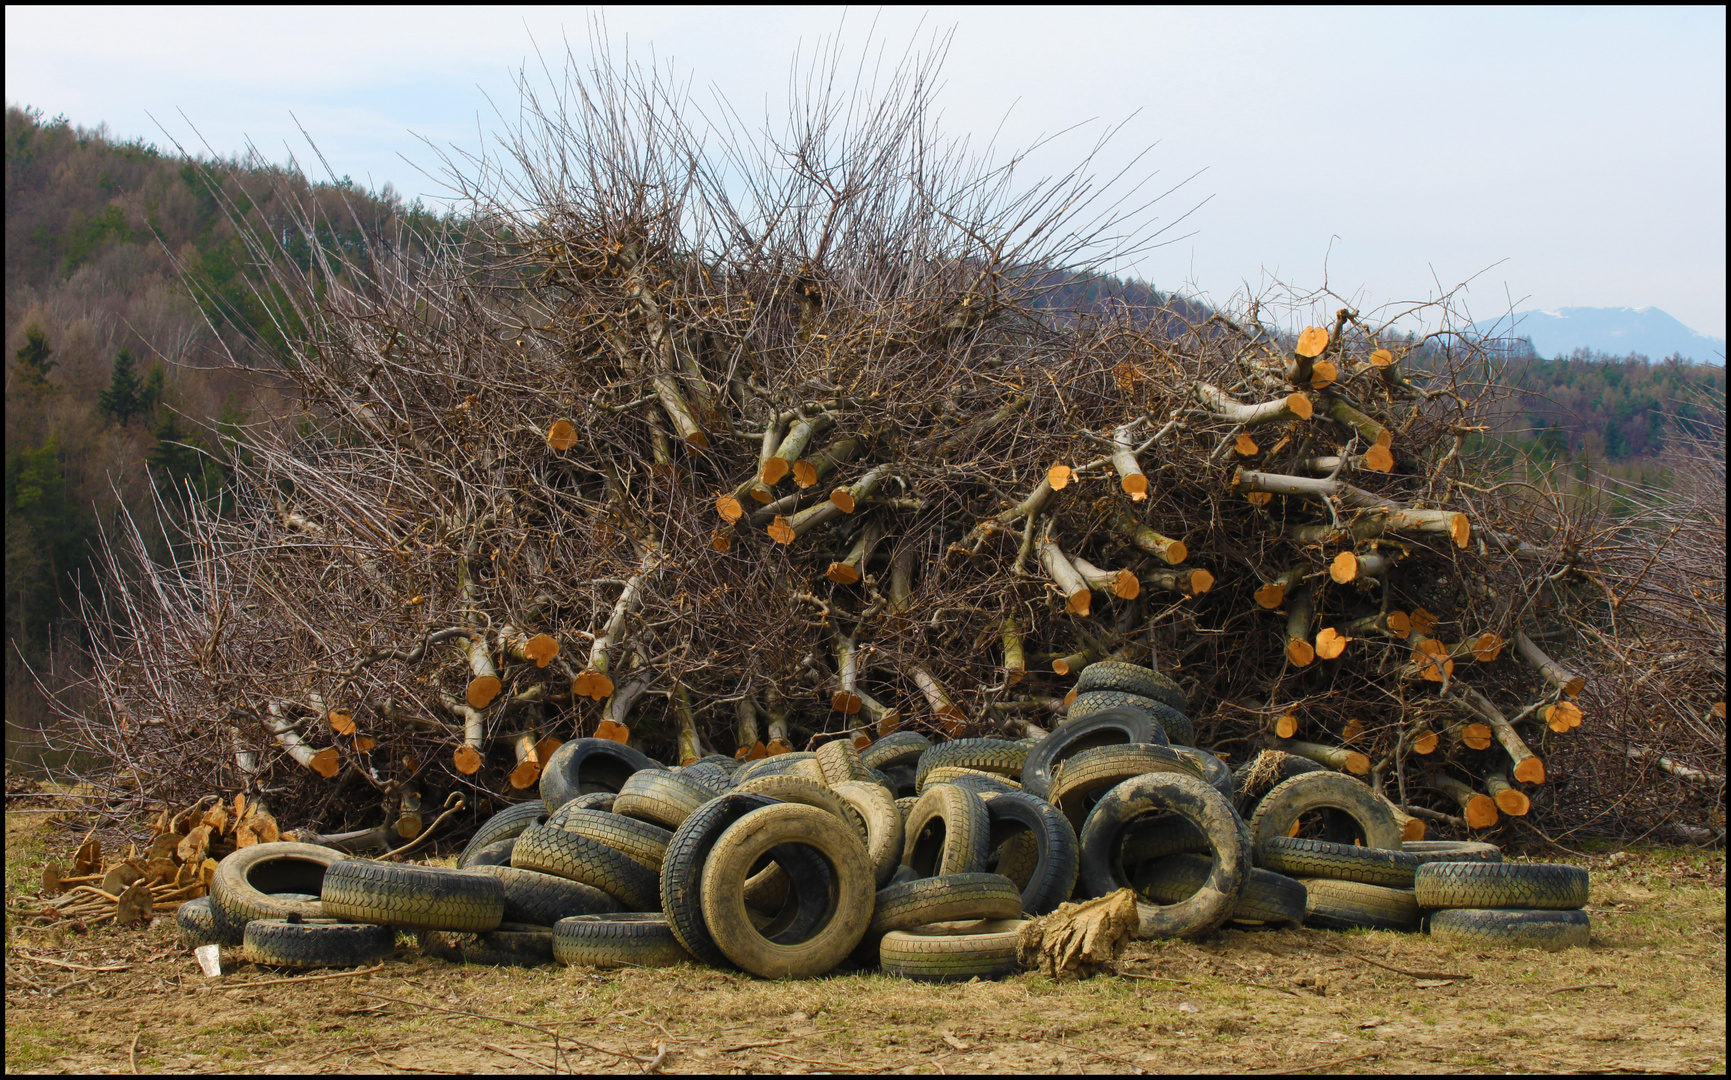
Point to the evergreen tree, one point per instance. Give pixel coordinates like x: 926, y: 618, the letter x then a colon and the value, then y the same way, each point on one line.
x: 33, y: 362
x: 121, y: 400
x: 151, y: 396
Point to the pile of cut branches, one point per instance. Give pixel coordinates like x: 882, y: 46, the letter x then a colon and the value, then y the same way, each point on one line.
x: 741, y: 450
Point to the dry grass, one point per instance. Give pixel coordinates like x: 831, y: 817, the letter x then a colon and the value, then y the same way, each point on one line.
x: 1648, y: 995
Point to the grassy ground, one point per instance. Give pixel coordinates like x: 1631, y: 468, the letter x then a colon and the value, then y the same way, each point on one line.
x: 1647, y: 995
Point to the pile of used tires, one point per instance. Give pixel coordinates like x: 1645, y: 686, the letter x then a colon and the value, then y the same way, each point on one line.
x: 920, y: 859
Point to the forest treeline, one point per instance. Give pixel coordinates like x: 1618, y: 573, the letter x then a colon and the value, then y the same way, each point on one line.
x: 128, y: 285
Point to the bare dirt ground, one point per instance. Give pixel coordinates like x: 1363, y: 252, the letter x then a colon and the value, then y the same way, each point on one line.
x: 1647, y: 996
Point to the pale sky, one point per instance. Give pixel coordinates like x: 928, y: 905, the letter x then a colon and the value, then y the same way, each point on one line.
x: 1567, y: 157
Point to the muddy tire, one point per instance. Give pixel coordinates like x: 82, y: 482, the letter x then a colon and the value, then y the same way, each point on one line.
x: 1157, y: 837
x: 710, y: 774
x: 953, y: 952
x: 771, y: 766
x: 511, y: 945
x: 840, y: 763
x: 899, y: 779
x: 505, y: 825
x: 951, y: 898
x: 495, y: 854
x: 541, y: 899
x: 1079, y: 782
x: 1213, y: 770
x: 315, y: 943
x: 624, y: 939
x: 583, y: 766
x: 981, y: 782
x: 682, y: 871
x: 1478, y: 928
x: 1204, y: 808
x: 1111, y: 727
x: 1269, y: 898
x: 578, y: 858
x: 413, y: 897
x: 197, y: 925
x: 806, y: 792
x: 1350, y: 905
x: 1049, y: 877
x: 1355, y: 815
x: 948, y: 832
x: 1174, y: 725
x: 645, y: 843
x: 1527, y: 886
x: 240, y: 891
x: 895, y: 749
x: 1117, y: 675
x: 1428, y: 851
x: 844, y: 921
x: 1301, y: 858
x: 886, y: 834
x: 661, y: 797
x: 1263, y: 773
x: 999, y: 757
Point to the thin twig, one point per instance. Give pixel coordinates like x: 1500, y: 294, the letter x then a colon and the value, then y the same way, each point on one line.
x: 300, y: 978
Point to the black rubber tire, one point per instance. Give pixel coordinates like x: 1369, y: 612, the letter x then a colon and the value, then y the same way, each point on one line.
x: 1112, y: 727
x: 806, y: 792
x: 1158, y: 836
x: 1297, y: 857
x: 1269, y: 898
x: 1135, y: 679
x: 594, y: 800
x: 1352, y: 905
x: 900, y: 780
x: 840, y: 763
x: 498, y: 854
x: 1174, y: 725
x: 505, y: 825
x: 682, y: 871
x: 314, y: 943
x: 981, y: 782
x: 999, y: 757
x: 1203, y: 807
x: 774, y: 765
x: 511, y: 945
x: 904, y: 873
x: 710, y: 774
x: 1479, y: 928
x: 414, y: 897
x: 1276, y: 767
x: 953, y: 952
x: 197, y: 924
x: 948, y: 832
x: 567, y: 855
x: 582, y: 766
x: 542, y: 899
x: 661, y: 797
x: 1356, y: 815
x: 886, y: 833
x: 1079, y: 782
x: 1527, y: 886
x: 1050, y: 877
x: 1429, y: 851
x: 245, y: 879
x: 642, y: 841
x: 906, y: 804
x: 623, y: 939
x: 739, y: 850
x: 896, y: 748
x: 950, y: 898
x: 1213, y: 770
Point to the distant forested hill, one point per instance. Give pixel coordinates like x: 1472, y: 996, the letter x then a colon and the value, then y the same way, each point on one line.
x: 110, y: 356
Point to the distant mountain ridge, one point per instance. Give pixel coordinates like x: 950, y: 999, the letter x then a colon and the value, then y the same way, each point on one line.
x: 1617, y: 331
